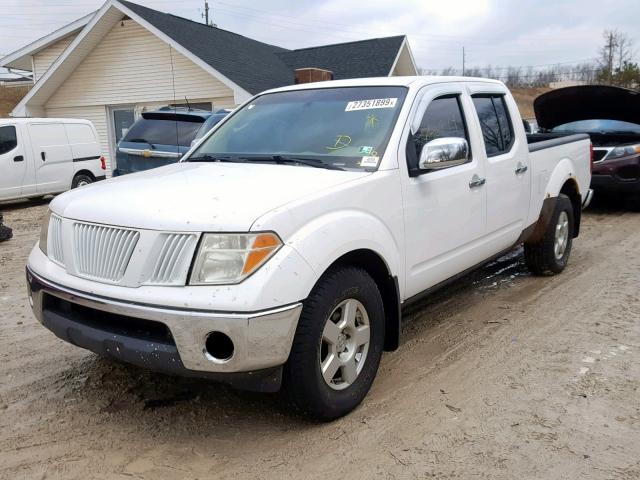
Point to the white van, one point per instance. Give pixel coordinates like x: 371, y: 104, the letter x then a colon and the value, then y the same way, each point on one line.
x: 41, y: 156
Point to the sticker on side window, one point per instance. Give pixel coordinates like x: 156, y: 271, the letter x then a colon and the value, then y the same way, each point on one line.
x: 371, y: 162
x: 371, y: 104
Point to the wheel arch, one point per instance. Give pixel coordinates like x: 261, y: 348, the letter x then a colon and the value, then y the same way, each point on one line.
x: 387, y: 283
x: 571, y: 189
x: 84, y: 171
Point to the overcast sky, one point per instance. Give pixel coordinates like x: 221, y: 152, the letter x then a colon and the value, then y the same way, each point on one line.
x: 496, y: 32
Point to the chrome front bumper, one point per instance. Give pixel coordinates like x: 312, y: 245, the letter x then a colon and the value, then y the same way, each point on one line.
x: 261, y: 339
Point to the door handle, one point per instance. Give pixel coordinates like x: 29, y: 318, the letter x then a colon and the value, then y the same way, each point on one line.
x: 43, y: 156
x: 521, y: 168
x: 18, y: 158
x: 476, y: 181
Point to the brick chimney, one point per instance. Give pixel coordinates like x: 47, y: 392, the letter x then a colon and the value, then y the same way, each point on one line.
x: 308, y: 75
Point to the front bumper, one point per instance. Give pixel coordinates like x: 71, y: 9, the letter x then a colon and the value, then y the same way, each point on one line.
x: 620, y: 175
x: 166, y: 339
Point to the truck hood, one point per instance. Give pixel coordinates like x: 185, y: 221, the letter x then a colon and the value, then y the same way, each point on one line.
x: 586, y: 102
x: 196, y: 196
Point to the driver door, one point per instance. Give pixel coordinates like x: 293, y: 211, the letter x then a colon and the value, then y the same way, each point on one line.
x: 444, y: 210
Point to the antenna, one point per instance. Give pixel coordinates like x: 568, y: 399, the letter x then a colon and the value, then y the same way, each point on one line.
x: 187, y: 102
x: 175, y: 106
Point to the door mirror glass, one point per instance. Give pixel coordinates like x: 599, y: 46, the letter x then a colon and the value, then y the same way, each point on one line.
x: 444, y: 153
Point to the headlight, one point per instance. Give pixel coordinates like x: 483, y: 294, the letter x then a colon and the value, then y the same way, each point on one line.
x: 44, y: 232
x: 623, y: 151
x: 227, y: 258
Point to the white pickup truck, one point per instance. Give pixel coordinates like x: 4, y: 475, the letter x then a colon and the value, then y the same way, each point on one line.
x: 282, y: 249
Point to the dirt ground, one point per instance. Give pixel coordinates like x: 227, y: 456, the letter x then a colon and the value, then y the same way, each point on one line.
x: 502, y: 375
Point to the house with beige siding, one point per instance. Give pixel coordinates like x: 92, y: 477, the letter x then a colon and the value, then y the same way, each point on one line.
x: 125, y: 59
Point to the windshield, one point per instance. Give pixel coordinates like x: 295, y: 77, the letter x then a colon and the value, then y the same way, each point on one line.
x: 163, y: 132
x: 211, y: 122
x: 598, y: 126
x: 346, y: 128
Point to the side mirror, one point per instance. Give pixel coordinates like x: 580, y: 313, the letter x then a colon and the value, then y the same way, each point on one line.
x: 444, y: 153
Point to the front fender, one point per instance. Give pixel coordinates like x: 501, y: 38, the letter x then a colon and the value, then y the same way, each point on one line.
x: 325, y: 239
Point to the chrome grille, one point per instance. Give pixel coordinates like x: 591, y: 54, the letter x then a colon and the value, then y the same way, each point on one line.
x: 103, y: 253
x: 599, y: 154
x: 55, y: 240
x: 171, y: 258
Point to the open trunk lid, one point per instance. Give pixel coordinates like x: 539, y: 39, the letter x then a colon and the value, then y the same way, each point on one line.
x: 586, y: 102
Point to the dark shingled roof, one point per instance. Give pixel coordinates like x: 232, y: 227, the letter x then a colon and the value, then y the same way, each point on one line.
x: 257, y: 66
x: 365, y: 58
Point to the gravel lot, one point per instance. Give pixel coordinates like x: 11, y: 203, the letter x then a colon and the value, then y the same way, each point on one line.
x: 502, y: 375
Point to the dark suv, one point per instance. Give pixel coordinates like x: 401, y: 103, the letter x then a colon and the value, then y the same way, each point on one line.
x: 161, y: 137
x: 611, y: 117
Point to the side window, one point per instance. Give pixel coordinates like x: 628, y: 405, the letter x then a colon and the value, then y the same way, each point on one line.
x: 443, y: 118
x: 506, y: 128
x: 8, y: 139
x: 495, y: 123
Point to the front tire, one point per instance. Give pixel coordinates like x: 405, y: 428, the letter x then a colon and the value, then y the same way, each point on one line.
x: 550, y: 255
x: 338, y: 345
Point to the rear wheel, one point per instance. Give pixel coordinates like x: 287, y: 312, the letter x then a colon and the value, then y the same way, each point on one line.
x: 81, y: 180
x: 338, y: 344
x: 550, y: 254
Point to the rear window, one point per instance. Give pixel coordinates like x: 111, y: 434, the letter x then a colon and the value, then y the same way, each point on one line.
x: 598, y: 126
x: 8, y: 139
x: 495, y: 123
x: 163, y: 132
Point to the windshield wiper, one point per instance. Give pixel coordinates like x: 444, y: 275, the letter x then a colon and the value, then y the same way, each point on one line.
x: 282, y: 160
x: 214, y: 158
x: 141, y: 140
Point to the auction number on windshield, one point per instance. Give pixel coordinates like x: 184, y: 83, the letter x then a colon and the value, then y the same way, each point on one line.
x: 370, y: 104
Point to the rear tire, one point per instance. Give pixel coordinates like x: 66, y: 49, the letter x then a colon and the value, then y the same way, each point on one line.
x: 81, y: 180
x: 337, y: 346
x: 550, y: 255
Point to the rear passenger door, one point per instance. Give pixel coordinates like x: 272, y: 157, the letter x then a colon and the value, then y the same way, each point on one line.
x: 507, y: 167
x: 52, y: 156
x: 84, y: 148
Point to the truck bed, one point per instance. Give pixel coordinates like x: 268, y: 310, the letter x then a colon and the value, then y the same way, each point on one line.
x: 541, y: 141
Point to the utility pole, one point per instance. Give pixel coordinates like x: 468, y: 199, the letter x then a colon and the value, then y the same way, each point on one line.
x: 463, y: 61
x: 610, y: 49
x: 206, y: 13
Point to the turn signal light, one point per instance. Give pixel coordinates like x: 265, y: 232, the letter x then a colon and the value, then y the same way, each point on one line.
x: 103, y: 163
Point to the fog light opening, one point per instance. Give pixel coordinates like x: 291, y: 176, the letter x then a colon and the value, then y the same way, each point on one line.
x: 219, y: 347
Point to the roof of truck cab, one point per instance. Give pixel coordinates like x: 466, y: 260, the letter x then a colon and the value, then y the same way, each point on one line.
x: 385, y: 81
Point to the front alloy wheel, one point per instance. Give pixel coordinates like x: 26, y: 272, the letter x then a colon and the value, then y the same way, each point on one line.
x: 337, y: 346
x: 345, y: 344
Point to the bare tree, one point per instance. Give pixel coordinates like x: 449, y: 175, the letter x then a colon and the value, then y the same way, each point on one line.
x: 624, y: 51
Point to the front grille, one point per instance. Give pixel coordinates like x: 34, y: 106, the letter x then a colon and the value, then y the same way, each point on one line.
x: 55, y: 240
x: 170, y: 263
x: 103, y: 253
x: 599, y: 154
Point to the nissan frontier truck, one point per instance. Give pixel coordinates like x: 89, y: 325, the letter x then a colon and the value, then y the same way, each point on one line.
x: 282, y: 249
